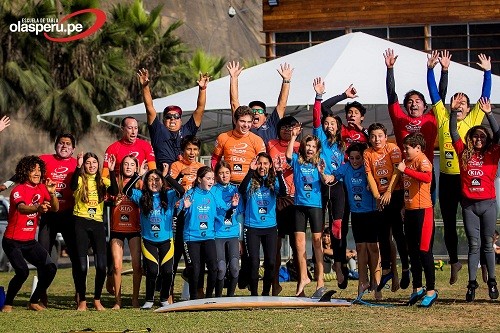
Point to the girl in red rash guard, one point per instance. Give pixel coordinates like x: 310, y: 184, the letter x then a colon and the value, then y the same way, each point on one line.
x: 478, y: 160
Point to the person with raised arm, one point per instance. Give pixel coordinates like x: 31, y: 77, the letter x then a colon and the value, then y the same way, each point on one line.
x: 449, y: 177
x: 263, y: 125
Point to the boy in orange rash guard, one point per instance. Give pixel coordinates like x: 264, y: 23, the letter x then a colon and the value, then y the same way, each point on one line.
x: 184, y: 170
x: 380, y: 161
x: 419, y: 218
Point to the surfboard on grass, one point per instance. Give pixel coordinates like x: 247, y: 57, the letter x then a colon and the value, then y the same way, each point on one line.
x: 254, y: 302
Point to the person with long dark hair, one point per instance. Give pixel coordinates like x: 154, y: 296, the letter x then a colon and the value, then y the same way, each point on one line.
x: 478, y: 158
x: 157, y: 203
x: 259, y: 189
x: 90, y: 190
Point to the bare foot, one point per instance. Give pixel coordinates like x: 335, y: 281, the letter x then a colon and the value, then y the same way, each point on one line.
x: 276, y: 290
x: 98, y: 306
x: 362, y: 287
x: 7, y: 308
x: 44, y: 300
x: 301, y: 285
x: 170, y: 299
x: 82, y: 306
x: 378, y: 295
x: 116, y: 307
x: 35, y: 307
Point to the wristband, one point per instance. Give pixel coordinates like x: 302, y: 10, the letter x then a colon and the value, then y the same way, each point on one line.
x: 319, y: 96
x: 8, y: 183
x: 287, y: 81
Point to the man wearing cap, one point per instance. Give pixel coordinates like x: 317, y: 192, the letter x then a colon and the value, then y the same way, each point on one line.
x: 166, y: 138
x: 262, y: 124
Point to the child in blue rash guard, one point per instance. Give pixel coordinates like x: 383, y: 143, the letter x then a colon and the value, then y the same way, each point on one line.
x: 328, y: 129
x: 227, y: 232
x: 200, y: 207
x: 364, y: 215
x: 308, y: 204
x: 260, y: 188
x: 157, y: 204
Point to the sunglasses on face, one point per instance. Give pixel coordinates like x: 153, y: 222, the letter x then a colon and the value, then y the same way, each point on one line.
x: 170, y: 116
x: 258, y: 111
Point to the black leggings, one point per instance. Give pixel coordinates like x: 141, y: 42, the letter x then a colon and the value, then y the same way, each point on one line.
x: 450, y: 194
x: 89, y: 230
x: 18, y: 252
x: 391, y: 220
x: 419, y: 229
x: 196, y: 254
x: 333, y: 198
x: 178, y: 245
x: 158, y: 261
x: 268, y: 237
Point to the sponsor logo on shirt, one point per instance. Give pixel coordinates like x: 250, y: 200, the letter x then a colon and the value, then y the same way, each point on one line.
x: 476, y: 182
x: 30, y: 223
x: 407, y: 183
x: 235, y: 158
x: 448, y: 145
x: 475, y: 173
x: 307, y: 187
x: 203, y: 225
x: 155, y: 227
x: 125, y: 208
x: 358, y: 197
x: 262, y: 210
x: 407, y: 193
x: 382, y: 172
x: 357, y: 189
x: 448, y: 155
x: 262, y: 202
x: 124, y: 218
x: 16, y: 195
x: 384, y: 181
x: 237, y: 167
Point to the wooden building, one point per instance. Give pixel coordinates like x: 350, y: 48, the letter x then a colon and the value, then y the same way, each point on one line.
x: 465, y: 27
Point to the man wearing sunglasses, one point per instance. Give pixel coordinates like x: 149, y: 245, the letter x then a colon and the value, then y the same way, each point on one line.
x: 262, y: 124
x: 166, y: 138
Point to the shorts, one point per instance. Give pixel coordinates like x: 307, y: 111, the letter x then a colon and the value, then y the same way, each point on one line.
x: 124, y: 235
x: 365, y: 226
x: 313, y: 214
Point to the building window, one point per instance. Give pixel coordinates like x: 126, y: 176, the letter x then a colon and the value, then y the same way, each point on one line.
x: 452, y: 38
x: 377, y: 32
x: 323, y: 36
x: 413, y: 37
x: 287, y: 43
x: 485, y: 38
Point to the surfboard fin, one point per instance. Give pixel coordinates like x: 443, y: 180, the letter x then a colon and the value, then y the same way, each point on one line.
x: 327, y: 297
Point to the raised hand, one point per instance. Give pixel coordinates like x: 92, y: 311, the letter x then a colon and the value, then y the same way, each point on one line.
x: 285, y: 71
x: 187, y: 201
x: 455, y: 100
x: 235, y: 199
x: 253, y: 163
x: 484, y: 62
x: 484, y: 104
x: 51, y: 186
x: 203, y: 80
x: 79, y: 159
x: 390, y: 58
x: 44, y: 207
x: 234, y: 68
x: 166, y: 168
x: 351, y: 91
x: 144, y: 168
x: 432, y: 59
x: 4, y: 123
x: 402, y: 166
x: 111, y: 162
x: 445, y: 59
x: 278, y: 165
x: 296, y: 130
x: 319, y: 86
x: 143, y: 76
x: 321, y: 166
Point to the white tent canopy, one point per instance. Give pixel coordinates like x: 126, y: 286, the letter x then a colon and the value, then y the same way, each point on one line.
x: 355, y: 58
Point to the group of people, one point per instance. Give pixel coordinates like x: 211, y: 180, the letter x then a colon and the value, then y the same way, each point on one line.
x: 264, y: 183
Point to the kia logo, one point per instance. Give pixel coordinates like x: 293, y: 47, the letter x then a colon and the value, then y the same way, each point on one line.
x: 382, y: 172
x: 448, y: 145
x: 475, y: 173
x: 203, y: 217
x: 61, y: 186
x: 125, y: 209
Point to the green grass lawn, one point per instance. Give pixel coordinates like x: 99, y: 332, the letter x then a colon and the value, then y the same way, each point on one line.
x: 449, y: 314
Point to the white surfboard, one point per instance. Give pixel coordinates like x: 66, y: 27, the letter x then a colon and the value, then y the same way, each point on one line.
x: 253, y: 302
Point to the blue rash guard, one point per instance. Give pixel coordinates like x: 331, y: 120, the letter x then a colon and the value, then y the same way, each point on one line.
x: 199, y: 220
x: 228, y: 228
x: 157, y: 226
x: 260, y: 206
x: 307, y: 183
x: 330, y: 153
x: 360, y: 198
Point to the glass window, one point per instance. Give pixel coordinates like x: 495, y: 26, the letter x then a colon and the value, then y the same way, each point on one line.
x: 323, y: 36
x: 408, y: 36
x: 452, y: 38
x: 377, y: 32
x: 287, y: 43
x: 485, y: 38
